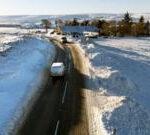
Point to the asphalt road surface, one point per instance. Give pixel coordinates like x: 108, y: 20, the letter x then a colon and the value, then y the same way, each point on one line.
x: 61, y: 108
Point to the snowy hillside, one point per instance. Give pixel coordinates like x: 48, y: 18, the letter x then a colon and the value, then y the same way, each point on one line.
x: 10, y: 35
x: 22, y: 73
x: 119, y: 85
x: 33, y: 19
x: 5, y: 41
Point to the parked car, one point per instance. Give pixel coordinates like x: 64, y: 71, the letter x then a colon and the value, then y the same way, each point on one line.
x: 57, y: 69
x: 64, y: 40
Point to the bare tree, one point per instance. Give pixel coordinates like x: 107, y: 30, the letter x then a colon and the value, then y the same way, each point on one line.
x: 46, y: 24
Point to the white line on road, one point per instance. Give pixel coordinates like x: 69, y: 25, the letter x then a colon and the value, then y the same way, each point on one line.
x: 63, y: 99
x: 69, y: 56
x: 69, y: 68
x: 57, y: 126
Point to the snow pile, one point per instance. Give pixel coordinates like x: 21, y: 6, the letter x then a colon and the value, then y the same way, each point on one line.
x: 133, y: 46
x: 113, y: 115
x: 126, y: 118
x: 114, y: 81
x: 120, y: 70
x: 13, y: 35
x: 12, y: 30
x: 6, y: 39
x: 22, y: 73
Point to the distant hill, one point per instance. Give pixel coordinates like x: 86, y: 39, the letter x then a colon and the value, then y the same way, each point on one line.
x: 33, y: 19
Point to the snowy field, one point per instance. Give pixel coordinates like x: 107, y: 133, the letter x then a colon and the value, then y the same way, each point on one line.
x: 6, y: 41
x: 22, y: 71
x: 120, y: 90
x: 10, y: 35
x: 12, y: 30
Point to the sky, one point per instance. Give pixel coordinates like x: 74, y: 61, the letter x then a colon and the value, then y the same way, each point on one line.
x: 58, y: 7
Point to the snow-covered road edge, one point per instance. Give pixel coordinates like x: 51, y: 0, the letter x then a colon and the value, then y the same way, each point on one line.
x: 111, y: 114
x: 34, y: 91
x: 27, y: 105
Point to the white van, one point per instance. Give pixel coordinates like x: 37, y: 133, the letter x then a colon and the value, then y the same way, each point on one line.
x: 57, y: 69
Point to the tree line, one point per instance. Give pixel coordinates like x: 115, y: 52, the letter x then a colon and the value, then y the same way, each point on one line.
x: 125, y: 27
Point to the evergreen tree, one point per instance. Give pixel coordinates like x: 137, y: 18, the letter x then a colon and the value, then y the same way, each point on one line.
x: 126, y: 24
x: 75, y: 22
x: 147, y: 28
x: 120, y: 29
x: 105, y: 29
x: 85, y: 23
x: 141, y: 20
x: 127, y: 19
x: 134, y: 29
x: 113, y: 28
x: 141, y: 27
x: 98, y: 24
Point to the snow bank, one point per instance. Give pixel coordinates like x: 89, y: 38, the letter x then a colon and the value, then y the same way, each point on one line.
x: 114, y: 81
x: 12, y: 35
x: 12, y: 30
x: 6, y: 39
x: 113, y: 115
x: 120, y: 70
x: 22, y: 72
x: 126, y: 118
x: 126, y: 62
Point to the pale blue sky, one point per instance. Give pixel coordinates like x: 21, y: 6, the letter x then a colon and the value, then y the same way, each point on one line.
x: 35, y: 7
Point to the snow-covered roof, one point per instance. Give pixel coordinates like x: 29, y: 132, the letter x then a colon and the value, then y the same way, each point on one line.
x: 57, y: 64
x: 79, y: 29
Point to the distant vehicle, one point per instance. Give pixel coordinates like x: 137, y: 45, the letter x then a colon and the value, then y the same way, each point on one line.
x: 75, y: 36
x: 57, y: 69
x: 64, y: 40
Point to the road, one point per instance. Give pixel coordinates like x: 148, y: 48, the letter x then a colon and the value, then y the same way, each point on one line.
x: 61, y: 108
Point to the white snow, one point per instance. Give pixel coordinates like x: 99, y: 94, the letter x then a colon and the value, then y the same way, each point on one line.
x: 11, y: 35
x: 120, y: 83
x: 21, y: 76
x: 6, y: 39
x: 11, y: 30
x: 36, y: 19
x: 131, y: 58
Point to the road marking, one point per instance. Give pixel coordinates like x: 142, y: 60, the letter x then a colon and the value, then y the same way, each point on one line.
x: 57, y: 126
x: 69, y: 55
x: 69, y: 67
x: 63, y: 99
